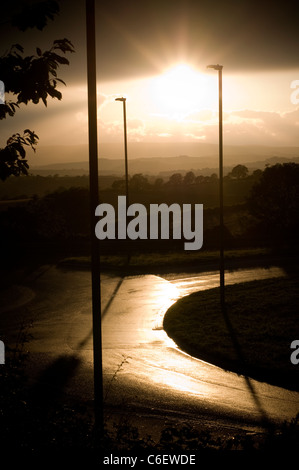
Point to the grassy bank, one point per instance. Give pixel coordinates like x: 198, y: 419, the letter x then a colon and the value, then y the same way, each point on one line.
x: 157, y: 261
x: 252, y: 336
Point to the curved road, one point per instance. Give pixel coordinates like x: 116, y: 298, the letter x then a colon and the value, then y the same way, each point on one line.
x: 145, y: 374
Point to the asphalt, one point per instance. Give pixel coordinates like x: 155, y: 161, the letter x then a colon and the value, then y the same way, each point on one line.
x: 146, y: 378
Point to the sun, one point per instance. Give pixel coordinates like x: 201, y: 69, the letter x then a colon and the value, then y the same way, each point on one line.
x: 179, y: 90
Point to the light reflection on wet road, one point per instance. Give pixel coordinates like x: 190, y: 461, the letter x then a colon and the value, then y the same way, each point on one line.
x: 188, y: 283
x: 167, y: 379
x: 143, y: 369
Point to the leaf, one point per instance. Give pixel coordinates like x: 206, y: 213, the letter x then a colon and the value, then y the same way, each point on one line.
x: 20, y: 149
x: 59, y: 59
x: 59, y: 80
x: 64, y: 45
x: 17, y: 46
x: 39, y: 52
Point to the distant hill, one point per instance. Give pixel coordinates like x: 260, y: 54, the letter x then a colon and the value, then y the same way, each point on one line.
x: 157, y: 159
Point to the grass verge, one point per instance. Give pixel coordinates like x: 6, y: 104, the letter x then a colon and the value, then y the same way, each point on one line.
x: 252, y: 336
x: 166, y: 260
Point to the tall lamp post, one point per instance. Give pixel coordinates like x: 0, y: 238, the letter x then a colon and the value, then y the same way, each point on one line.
x: 126, y: 147
x: 94, y: 201
x: 222, y: 295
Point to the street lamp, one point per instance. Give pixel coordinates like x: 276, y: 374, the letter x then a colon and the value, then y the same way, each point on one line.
x: 94, y: 201
x: 222, y: 298
x: 126, y: 149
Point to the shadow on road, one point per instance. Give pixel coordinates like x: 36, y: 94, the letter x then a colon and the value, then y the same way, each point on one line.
x: 243, y: 366
x: 52, y: 381
x: 105, y: 310
x: 108, y: 305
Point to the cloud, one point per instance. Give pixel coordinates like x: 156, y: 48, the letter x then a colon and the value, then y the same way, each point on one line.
x: 204, y: 115
x: 239, y: 127
x: 136, y: 39
x: 196, y: 137
x: 269, y: 128
x: 136, y: 129
x: 164, y: 135
x: 105, y: 99
x: 114, y: 129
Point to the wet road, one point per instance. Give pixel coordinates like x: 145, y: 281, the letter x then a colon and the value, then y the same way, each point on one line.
x: 144, y: 372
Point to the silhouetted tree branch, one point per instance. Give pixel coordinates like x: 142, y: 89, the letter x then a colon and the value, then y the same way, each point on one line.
x: 35, y: 15
x: 12, y: 157
x: 32, y: 78
x: 29, y: 79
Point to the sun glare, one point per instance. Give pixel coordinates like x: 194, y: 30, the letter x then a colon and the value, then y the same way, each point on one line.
x: 180, y: 90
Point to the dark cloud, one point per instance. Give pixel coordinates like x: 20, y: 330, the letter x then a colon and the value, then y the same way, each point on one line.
x: 242, y: 35
x: 140, y: 38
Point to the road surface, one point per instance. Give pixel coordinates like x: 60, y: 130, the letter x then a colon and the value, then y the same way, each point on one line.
x: 145, y: 374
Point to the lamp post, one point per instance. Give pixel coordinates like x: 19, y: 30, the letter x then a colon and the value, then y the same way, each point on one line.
x: 94, y: 201
x: 222, y: 296
x: 126, y: 147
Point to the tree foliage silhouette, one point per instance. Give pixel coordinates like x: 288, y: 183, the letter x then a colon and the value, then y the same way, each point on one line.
x: 29, y: 79
x: 238, y: 172
x: 274, y: 200
x: 35, y: 15
x: 12, y: 157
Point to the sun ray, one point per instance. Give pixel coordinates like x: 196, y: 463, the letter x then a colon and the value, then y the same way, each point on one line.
x: 181, y: 90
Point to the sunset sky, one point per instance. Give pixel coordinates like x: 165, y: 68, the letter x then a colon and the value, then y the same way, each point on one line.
x: 155, y: 53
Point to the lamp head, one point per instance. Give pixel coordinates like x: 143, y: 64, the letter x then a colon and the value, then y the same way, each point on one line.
x: 215, y: 67
x: 120, y: 99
